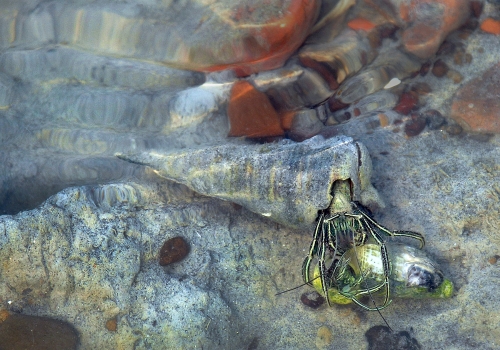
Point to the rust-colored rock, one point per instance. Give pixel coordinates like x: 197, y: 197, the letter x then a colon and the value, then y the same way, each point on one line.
x: 407, y: 103
x: 361, y: 24
x: 476, y: 106
x: 415, y: 125
x: 173, y: 250
x: 491, y: 26
x: 251, y: 113
x: 259, y: 37
x: 430, y: 21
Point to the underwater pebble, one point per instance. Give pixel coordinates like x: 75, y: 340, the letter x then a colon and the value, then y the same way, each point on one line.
x: 415, y: 125
x: 453, y: 129
x: 476, y: 105
x: 491, y: 26
x: 21, y: 332
x: 111, y: 324
x: 173, y: 250
x: 440, y: 69
x: 312, y: 299
x: 433, y: 118
x: 407, y: 102
x: 305, y: 124
x: 455, y: 76
x: 251, y: 114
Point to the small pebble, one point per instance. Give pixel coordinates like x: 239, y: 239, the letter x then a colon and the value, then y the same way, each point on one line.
x: 440, y: 69
x: 305, y: 124
x: 491, y: 26
x: 335, y: 104
x: 415, y: 125
x: 493, y: 260
x: 173, y: 250
x: 434, y: 119
x: 407, y: 103
x: 312, y: 299
x: 454, y: 129
x: 455, y: 76
x: 111, y: 324
x: 384, y: 120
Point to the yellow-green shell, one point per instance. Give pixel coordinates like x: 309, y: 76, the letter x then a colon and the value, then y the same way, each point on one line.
x: 370, y: 263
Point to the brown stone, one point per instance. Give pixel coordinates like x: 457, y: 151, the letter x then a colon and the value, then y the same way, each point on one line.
x: 476, y: 106
x: 312, y: 299
x: 415, y: 125
x: 430, y: 22
x: 440, y: 69
x: 20, y: 332
x: 251, y: 113
x: 112, y: 324
x: 407, y: 103
x: 173, y: 250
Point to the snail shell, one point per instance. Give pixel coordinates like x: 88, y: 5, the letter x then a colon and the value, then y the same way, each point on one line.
x: 285, y: 181
x: 413, y: 273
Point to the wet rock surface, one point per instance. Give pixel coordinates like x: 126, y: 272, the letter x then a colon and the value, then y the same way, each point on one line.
x: 92, y: 254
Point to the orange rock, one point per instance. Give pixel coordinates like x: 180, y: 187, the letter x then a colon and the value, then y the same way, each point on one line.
x: 286, y: 119
x: 476, y: 106
x: 361, y: 24
x: 264, y: 36
x: 491, y: 26
x: 251, y: 113
x: 430, y: 22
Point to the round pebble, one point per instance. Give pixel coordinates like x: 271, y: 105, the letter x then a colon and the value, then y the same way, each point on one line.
x: 173, y: 250
x: 415, y: 125
x: 440, y: 69
x: 454, y: 129
x: 434, y: 119
x: 111, y: 325
x: 312, y: 299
